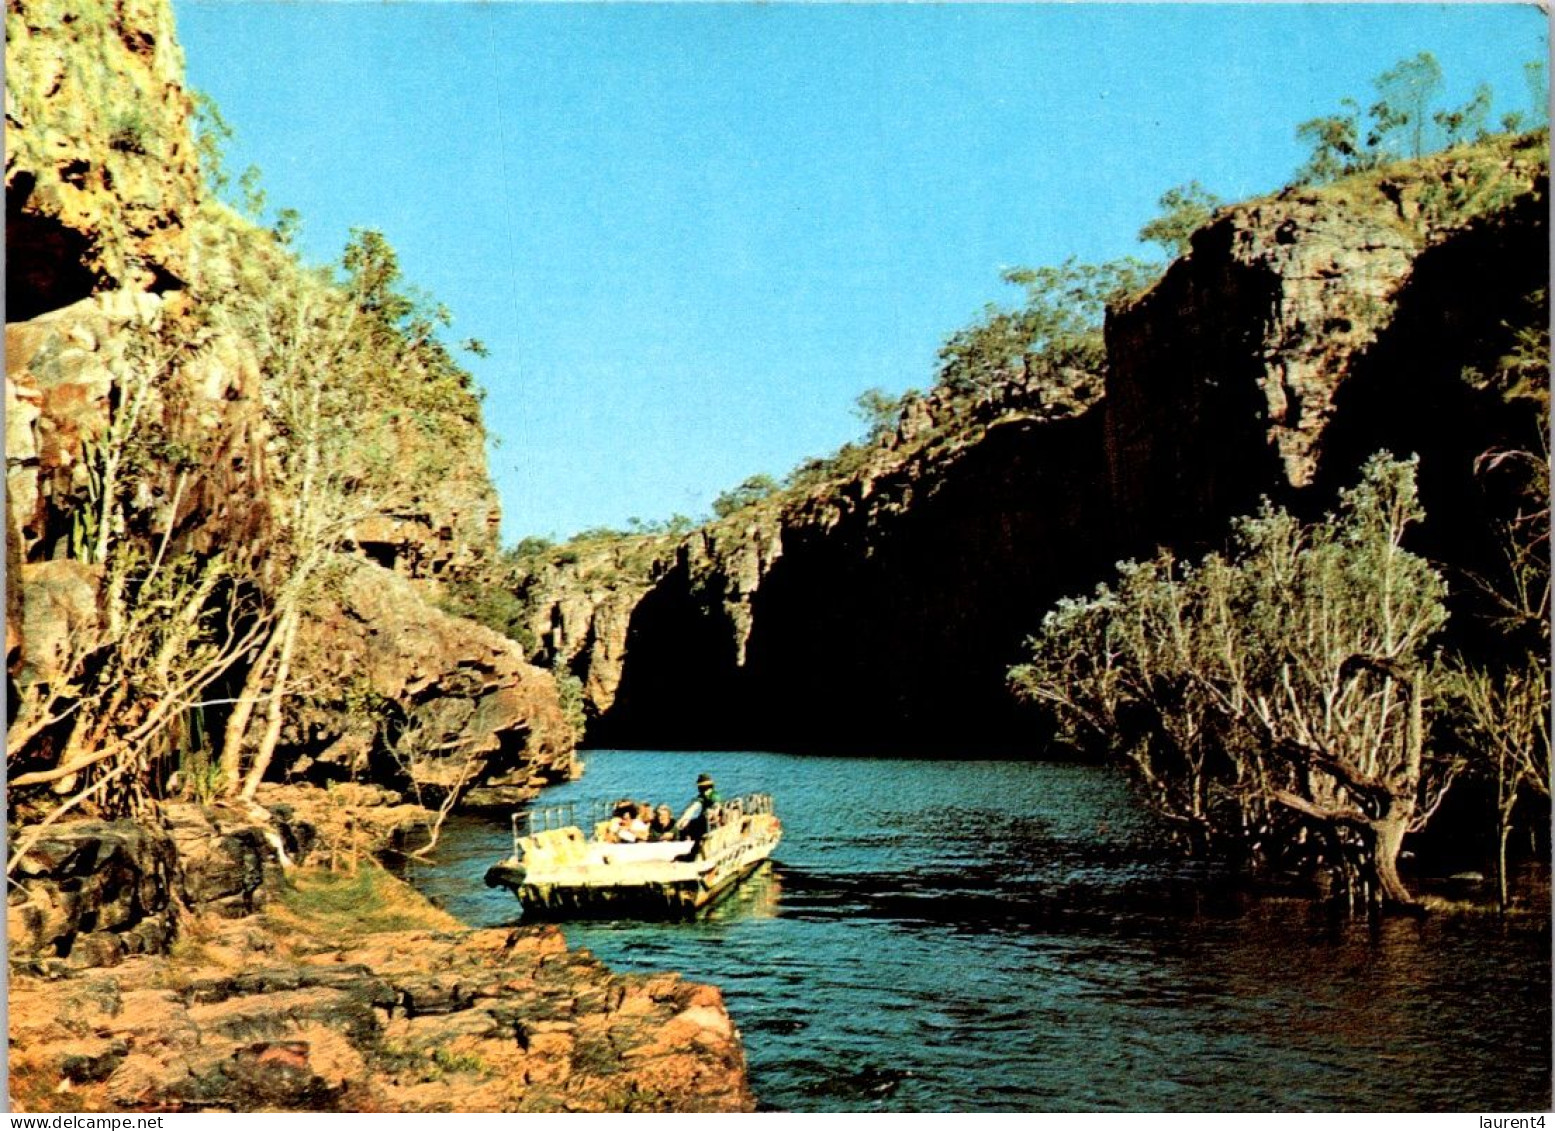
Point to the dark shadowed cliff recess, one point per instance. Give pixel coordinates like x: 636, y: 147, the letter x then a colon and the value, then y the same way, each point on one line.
x: 887, y: 618
x: 1301, y: 333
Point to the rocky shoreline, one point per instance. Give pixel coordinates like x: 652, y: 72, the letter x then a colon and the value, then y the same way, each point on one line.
x: 218, y: 963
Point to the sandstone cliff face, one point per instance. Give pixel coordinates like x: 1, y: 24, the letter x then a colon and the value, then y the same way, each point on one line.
x: 100, y: 174
x: 1226, y: 378
x: 147, y: 487
x: 580, y: 608
x: 102, y: 182
x: 880, y: 616
x: 1241, y: 347
x: 64, y: 370
x: 1302, y: 333
x: 854, y: 612
x: 464, y: 689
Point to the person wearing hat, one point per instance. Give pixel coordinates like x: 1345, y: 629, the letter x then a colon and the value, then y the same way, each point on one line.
x: 693, y: 823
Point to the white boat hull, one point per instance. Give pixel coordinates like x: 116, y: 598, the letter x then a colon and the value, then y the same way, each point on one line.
x: 558, y: 874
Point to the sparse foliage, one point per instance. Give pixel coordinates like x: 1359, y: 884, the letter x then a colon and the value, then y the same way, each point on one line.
x: 251, y: 193
x: 489, y: 601
x: 1057, y: 328
x: 1468, y: 122
x: 167, y: 622
x: 347, y: 376
x: 1273, y: 695
x: 748, y: 493
x: 675, y: 524
x: 1536, y: 73
x: 212, y: 135
x: 878, y: 411
x: 1184, y: 210
x: 1401, y: 116
x: 1502, y: 703
x: 1336, y: 146
x: 573, y: 700
x: 531, y: 546
x: 1403, y: 121
x: 287, y: 226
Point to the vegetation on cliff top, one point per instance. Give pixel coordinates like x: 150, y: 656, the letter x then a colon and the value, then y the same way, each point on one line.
x: 1404, y: 123
x: 1045, y: 353
x: 1037, y: 359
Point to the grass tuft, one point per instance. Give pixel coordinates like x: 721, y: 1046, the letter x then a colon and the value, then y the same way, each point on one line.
x: 338, y: 905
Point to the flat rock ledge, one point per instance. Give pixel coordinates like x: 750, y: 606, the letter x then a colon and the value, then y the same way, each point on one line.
x: 220, y: 958
x: 239, y: 1017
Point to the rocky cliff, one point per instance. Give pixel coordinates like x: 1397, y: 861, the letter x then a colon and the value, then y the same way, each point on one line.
x: 1241, y: 373
x: 1302, y: 332
x: 197, y: 982
x: 100, y: 175
x: 148, y: 418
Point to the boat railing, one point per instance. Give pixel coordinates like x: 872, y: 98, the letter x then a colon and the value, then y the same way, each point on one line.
x: 744, y: 805
x: 545, y: 818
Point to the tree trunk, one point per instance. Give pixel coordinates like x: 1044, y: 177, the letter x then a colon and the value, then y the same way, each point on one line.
x: 1387, y: 839
x: 1503, y: 835
x: 276, y: 713
x: 237, y: 722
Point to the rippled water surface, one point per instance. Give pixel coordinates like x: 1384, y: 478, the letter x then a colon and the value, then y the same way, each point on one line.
x: 997, y: 936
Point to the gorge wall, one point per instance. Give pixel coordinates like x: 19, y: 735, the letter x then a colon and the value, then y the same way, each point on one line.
x: 155, y: 525
x: 100, y: 173
x: 121, y: 265
x: 1301, y: 333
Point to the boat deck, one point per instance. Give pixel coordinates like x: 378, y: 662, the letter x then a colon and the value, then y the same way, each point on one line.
x: 559, y: 873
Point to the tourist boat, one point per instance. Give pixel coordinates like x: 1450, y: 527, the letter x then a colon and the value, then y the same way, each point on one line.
x: 558, y: 873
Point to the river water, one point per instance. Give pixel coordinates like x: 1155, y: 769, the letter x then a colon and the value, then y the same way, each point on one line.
x: 1011, y: 936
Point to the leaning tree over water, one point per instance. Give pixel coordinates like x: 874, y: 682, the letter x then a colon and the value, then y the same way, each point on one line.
x: 1274, y: 701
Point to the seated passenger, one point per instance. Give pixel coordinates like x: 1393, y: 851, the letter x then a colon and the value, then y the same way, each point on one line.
x: 624, y: 827
x: 663, y: 826
x: 642, y: 815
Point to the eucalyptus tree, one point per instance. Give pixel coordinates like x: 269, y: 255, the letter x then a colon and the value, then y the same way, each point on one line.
x: 1184, y: 210
x: 1401, y: 116
x: 365, y: 405
x: 155, y: 623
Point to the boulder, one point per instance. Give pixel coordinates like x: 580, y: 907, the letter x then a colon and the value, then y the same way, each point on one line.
x: 467, y: 709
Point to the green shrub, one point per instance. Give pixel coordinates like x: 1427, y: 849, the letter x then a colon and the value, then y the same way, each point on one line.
x: 130, y: 132
x: 748, y: 493
x: 490, y: 603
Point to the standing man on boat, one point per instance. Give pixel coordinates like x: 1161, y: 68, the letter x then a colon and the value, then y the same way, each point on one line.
x: 693, y: 822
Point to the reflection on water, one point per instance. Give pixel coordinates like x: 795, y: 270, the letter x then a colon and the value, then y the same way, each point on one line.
x: 993, y: 936
x: 757, y: 897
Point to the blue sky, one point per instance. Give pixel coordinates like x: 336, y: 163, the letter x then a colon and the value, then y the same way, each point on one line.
x: 691, y: 234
